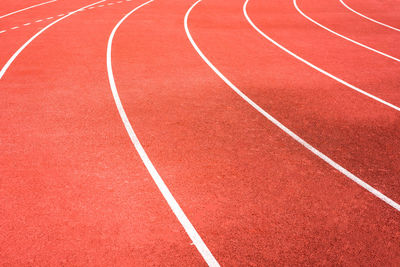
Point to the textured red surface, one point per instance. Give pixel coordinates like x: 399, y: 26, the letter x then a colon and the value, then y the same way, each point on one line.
x: 73, y: 190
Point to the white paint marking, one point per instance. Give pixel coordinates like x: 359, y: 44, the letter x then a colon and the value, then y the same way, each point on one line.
x: 110, y: 4
x: 13, y: 28
x: 190, y: 230
x: 2, y: 31
x: 49, y: 18
x: 342, y: 36
x: 60, y: 15
x: 27, y: 24
x: 368, y: 18
x: 100, y: 5
x: 14, y: 56
x: 119, y: 2
x: 317, y: 68
x: 91, y: 7
x: 280, y: 125
x: 45, y: 3
x: 39, y: 20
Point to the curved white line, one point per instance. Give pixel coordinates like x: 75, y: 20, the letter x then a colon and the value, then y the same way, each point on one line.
x: 14, y: 56
x: 281, y: 126
x: 45, y: 3
x: 177, y: 210
x: 368, y: 18
x: 342, y: 36
x: 315, y: 67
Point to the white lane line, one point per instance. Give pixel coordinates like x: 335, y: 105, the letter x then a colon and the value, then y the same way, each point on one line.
x: 49, y: 18
x: 45, y: 3
x: 100, y: 5
x: 177, y: 210
x: 342, y: 36
x: 317, y: 68
x: 39, y: 20
x: 280, y: 125
x: 14, y: 56
x: 368, y: 18
x: 91, y: 7
x: 13, y: 28
x: 2, y: 31
x: 60, y: 15
x: 27, y: 24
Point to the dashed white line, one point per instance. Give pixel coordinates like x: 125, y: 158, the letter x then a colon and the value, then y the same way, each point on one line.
x: 61, y: 15
x: 279, y: 124
x: 14, y: 56
x: 45, y: 3
x: 110, y: 4
x: 317, y: 68
x: 342, y: 36
x: 177, y: 210
x: 368, y: 18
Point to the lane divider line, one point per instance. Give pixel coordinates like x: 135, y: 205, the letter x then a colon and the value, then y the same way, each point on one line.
x: 45, y: 3
x: 14, y: 56
x: 315, y: 67
x: 368, y: 18
x: 60, y: 15
x: 280, y: 125
x: 177, y: 210
x: 342, y: 36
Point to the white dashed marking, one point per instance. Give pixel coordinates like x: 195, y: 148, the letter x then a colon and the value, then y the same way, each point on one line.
x: 63, y: 14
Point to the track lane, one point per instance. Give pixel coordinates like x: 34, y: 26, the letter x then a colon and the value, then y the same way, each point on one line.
x: 280, y: 23
x: 356, y: 133
x: 333, y: 15
x: 26, y: 8
x: 387, y: 9
x: 74, y: 191
x: 266, y: 199
x: 12, y: 40
x: 342, y: 36
x: 175, y: 207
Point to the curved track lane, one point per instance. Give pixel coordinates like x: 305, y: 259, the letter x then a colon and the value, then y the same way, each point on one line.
x: 341, y: 35
x: 335, y: 17
x: 266, y: 199
x: 386, y: 9
x: 73, y: 190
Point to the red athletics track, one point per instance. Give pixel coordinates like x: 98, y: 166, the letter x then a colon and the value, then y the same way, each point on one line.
x: 385, y: 12
x: 335, y: 16
x: 75, y: 192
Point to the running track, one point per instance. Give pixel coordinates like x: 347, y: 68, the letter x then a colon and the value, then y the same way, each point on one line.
x: 191, y: 133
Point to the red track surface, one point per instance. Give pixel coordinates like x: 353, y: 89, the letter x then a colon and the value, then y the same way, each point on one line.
x: 74, y: 191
